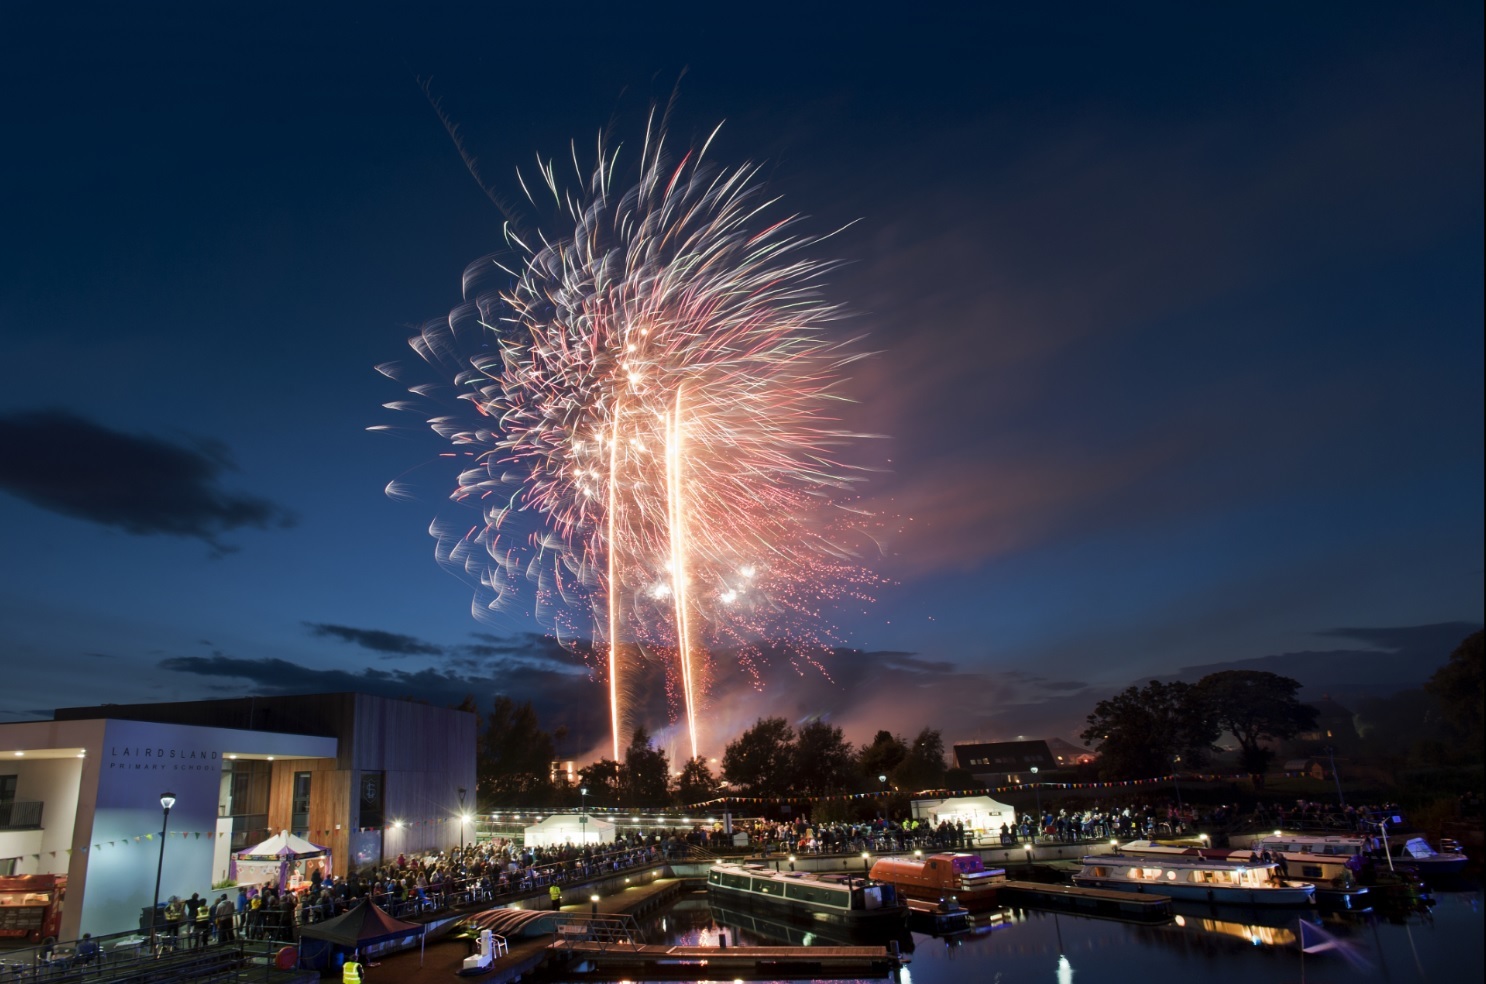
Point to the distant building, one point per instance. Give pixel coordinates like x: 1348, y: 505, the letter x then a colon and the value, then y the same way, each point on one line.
x: 367, y: 777
x: 1068, y: 754
x: 992, y: 760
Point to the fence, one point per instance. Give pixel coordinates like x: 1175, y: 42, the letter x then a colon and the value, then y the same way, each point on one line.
x: 126, y: 958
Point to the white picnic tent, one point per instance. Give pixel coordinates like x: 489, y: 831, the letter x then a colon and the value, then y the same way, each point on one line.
x: 569, y: 828
x: 285, y: 858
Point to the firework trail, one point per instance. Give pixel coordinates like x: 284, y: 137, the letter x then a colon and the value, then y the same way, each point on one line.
x: 655, y: 382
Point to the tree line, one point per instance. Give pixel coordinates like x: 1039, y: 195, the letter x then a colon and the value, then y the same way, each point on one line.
x: 1142, y: 732
x: 1170, y: 727
x: 772, y: 758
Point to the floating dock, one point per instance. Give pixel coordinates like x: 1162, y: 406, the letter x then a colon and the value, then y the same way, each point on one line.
x: 604, y: 961
x: 1141, y: 906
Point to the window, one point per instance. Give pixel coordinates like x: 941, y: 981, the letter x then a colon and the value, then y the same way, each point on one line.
x: 300, y: 810
x: 372, y: 788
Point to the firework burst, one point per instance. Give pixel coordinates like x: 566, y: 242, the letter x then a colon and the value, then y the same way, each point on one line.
x: 655, y: 379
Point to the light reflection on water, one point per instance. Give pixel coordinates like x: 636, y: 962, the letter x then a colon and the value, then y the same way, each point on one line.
x: 1444, y: 942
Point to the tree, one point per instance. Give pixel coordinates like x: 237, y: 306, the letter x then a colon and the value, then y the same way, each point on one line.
x: 1140, y: 731
x: 1461, y: 691
x: 696, y: 783
x: 923, y: 766
x: 1255, y: 707
x: 514, y: 759
x: 881, y: 757
x: 761, y: 760
x: 604, y: 781
x: 647, y: 772
x: 823, y: 760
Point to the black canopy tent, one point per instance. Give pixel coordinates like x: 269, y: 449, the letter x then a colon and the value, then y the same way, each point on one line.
x: 366, y: 924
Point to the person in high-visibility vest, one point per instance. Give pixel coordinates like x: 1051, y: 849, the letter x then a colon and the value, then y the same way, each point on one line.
x: 351, y: 970
x: 556, y: 894
x: 203, y: 920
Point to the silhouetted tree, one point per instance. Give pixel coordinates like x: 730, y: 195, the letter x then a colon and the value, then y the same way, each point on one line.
x: 604, y: 781
x: 923, y: 766
x: 761, y: 760
x: 1460, y: 688
x: 1140, y: 731
x: 696, y: 784
x: 823, y: 760
x: 647, y: 772
x: 514, y: 759
x: 886, y: 752
x: 1255, y: 707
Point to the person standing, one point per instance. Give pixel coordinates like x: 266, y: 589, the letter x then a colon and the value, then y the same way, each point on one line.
x: 203, y: 922
x: 175, y: 913
x: 225, y: 912
x: 351, y: 969
x: 556, y: 895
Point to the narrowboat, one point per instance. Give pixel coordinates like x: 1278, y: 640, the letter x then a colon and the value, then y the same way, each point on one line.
x: 961, y: 878
x: 1317, y: 859
x: 839, y: 899
x: 1204, y: 879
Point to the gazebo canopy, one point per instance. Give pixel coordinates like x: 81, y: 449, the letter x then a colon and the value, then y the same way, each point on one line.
x: 569, y: 828
x: 282, y: 845
x: 367, y: 923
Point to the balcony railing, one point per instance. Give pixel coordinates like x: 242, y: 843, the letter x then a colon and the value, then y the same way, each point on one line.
x: 20, y: 815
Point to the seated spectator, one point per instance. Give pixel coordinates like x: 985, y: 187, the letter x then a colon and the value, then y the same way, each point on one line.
x: 87, y: 950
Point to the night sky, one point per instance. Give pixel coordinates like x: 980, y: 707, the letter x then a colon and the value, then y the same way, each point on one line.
x: 1176, y: 314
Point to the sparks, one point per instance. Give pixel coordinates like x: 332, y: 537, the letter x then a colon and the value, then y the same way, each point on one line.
x: 653, y: 379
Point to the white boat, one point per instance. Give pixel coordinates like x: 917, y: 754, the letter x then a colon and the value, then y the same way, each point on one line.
x: 1416, y: 854
x: 1204, y: 879
x: 1322, y: 860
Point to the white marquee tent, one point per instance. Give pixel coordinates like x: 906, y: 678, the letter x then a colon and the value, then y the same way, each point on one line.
x: 569, y: 828
x: 980, y: 814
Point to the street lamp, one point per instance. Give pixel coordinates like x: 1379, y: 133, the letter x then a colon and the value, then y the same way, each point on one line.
x: 167, y: 800
x: 594, y: 901
x: 866, y: 863
x: 463, y: 819
x: 1037, y: 789
x: 583, y: 815
x: 791, y: 862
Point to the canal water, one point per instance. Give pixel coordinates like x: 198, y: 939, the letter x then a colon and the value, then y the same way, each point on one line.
x: 1439, y: 942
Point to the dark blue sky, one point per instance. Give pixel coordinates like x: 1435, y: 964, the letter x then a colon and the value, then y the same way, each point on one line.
x: 1178, y: 313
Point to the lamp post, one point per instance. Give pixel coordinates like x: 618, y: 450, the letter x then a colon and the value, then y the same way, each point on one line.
x: 594, y: 901
x: 1331, y: 757
x: 583, y: 814
x: 866, y: 863
x: 167, y: 800
x: 463, y: 818
x: 1037, y: 790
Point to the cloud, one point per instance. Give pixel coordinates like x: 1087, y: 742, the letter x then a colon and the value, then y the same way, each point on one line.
x: 390, y: 644
x: 60, y: 462
x: 1435, y: 640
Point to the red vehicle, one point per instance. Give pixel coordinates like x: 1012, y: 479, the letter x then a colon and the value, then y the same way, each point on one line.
x: 31, y: 906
